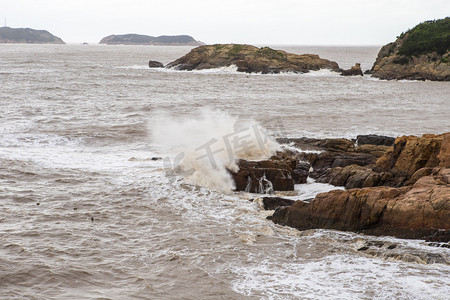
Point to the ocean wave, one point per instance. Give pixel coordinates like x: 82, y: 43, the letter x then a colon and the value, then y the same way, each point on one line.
x: 203, y: 150
x: 233, y: 69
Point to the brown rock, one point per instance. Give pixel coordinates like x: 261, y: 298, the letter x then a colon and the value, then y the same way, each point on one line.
x: 430, y: 59
x: 409, y: 212
x: 279, y: 173
x: 373, y: 139
x: 353, y: 71
x: 155, y: 64
x: 412, y: 153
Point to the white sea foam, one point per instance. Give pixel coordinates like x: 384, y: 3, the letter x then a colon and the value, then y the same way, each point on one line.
x: 202, y: 149
x: 133, y: 67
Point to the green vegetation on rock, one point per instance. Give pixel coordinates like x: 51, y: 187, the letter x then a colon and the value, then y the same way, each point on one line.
x: 27, y: 36
x: 427, y: 37
x: 269, y: 53
x: 235, y: 50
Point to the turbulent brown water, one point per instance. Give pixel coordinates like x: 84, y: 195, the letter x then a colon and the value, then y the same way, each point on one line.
x: 86, y: 214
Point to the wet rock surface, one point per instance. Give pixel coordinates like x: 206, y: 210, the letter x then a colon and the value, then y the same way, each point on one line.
x: 272, y: 203
x: 279, y: 173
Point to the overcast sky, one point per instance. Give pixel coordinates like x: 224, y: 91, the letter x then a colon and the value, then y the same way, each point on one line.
x: 282, y: 22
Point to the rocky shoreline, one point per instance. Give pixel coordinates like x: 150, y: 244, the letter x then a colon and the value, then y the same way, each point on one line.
x: 398, y: 187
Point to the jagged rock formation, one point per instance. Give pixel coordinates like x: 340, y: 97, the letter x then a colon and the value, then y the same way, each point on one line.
x: 139, y: 39
x: 422, y: 53
x: 250, y: 59
x: 353, y: 71
x: 405, y: 193
x: 27, y: 36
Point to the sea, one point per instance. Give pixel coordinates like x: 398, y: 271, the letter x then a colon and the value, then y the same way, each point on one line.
x: 113, y: 181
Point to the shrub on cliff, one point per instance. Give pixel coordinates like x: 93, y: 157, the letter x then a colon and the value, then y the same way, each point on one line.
x: 427, y: 37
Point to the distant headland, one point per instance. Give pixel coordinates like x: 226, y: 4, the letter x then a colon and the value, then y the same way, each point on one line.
x: 27, y: 36
x: 139, y: 39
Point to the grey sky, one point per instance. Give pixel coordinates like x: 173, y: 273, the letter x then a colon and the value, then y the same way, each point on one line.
x: 320, y: 22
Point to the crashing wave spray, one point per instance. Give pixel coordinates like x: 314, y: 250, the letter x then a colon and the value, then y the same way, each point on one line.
x: 202, y: 149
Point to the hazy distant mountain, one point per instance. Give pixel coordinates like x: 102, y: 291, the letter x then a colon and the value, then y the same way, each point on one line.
x: 28, y: 36
x: 139, y: 39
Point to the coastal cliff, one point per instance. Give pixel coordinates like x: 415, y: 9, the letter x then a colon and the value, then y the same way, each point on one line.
x: 27, y: 36
x: 250, y: 59
x: 139, y: 39
x: 421, y: 53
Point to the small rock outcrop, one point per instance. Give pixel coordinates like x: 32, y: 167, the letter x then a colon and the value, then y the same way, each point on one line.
x: 250, y: 59
x: 404, y: 192
x: 28, y: 36
x: 155, y: 64
x: 332, y: 155
x: 353, y: 71
x: 422, y: 53
x: 418, y: 211
x: 140, y: 39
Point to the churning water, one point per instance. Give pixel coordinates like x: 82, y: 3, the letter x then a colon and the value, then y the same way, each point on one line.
x: 87, y: 214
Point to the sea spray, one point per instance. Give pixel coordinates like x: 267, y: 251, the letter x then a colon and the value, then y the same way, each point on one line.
x: 203, y: 149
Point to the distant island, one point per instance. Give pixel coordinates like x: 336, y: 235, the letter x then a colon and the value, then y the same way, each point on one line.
x: 27, y: 36
x: 139, y: 39
x: 421, y: 53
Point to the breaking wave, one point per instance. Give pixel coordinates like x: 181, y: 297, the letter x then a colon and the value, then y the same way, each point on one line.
x: 203, y: 149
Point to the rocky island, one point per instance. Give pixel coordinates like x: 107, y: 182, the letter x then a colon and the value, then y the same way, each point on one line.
x: 250, y: 59
x: 139, y: 39
x: 421, y: 53
x: 27, y: 36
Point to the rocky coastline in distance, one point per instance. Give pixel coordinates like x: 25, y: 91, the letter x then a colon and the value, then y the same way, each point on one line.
x: 140, y: 39
x: 27, y: 36
x: 398, y: 187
